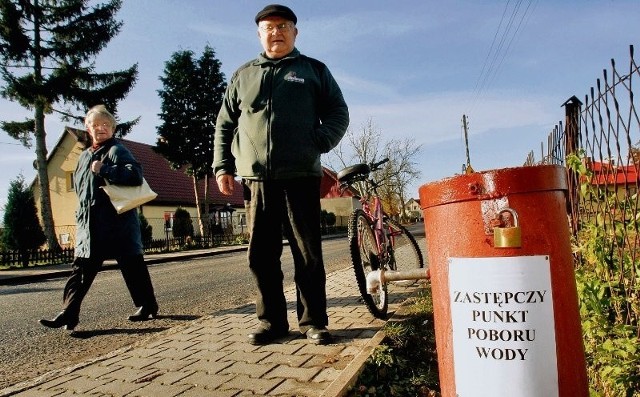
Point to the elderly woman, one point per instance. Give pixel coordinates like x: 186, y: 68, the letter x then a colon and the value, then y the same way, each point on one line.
x: 101, y: 232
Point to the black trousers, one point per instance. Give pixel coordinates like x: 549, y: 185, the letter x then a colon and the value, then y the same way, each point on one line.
x: 289, y: 208
x: 84, y: 271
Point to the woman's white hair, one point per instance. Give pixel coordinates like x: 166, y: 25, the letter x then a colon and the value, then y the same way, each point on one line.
x: 99, y: 110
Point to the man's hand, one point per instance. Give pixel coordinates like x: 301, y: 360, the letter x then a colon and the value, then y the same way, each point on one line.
x: 225, y: 184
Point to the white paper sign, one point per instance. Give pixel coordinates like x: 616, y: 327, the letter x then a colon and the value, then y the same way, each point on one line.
x: 503, y: 328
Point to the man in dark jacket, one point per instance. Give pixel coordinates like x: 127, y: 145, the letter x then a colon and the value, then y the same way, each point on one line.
x: 281, y: 111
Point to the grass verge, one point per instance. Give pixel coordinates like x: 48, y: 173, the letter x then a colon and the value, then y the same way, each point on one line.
x: 405, y: 363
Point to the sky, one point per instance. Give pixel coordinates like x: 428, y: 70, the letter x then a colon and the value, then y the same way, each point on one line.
x: 411, y: 67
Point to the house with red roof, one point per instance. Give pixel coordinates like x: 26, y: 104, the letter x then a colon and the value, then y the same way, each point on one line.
x: 607, y: 174
x: 608, y: 180
x: 340, y: 202
x: 175, y: 190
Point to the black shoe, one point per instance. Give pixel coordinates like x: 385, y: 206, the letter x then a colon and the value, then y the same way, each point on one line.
x: 318, y: 336
x: 263, y: 336
x: 145, y: 312
x: 60, y: 320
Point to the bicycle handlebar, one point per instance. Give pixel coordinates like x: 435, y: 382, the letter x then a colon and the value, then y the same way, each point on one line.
x: 376, y: 166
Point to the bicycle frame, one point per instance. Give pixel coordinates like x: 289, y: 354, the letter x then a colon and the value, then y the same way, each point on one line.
x: 376, y: 216
x: 372, y: 208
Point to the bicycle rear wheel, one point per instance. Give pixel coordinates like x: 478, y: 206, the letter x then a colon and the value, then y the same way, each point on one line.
x: 405, y: 253
x: 364, y: 256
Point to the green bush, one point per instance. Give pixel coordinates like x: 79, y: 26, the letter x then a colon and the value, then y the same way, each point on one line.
x: 609, y: 312
x: 608, y: 284
x: 146, y: 230
x: 327, y: 221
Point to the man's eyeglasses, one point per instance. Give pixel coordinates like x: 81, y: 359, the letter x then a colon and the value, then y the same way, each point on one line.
x: 282, y: 27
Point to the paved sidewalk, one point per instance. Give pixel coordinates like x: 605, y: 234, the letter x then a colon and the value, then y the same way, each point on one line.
x: 211, y: 357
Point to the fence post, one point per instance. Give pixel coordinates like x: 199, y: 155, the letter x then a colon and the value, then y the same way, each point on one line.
x: 572, y: 108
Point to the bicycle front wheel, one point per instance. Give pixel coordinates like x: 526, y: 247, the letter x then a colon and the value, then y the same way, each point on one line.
x: 365, y: 259
x: 404, y: 251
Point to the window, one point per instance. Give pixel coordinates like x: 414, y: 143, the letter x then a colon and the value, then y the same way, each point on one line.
x: 65, y: 239
x: 69, y: 181
x: 225, y: 219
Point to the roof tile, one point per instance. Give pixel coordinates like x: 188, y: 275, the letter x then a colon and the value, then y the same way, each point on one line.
x: 174, y: 186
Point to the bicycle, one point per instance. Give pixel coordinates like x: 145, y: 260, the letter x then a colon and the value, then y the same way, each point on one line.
x: 377, y: 243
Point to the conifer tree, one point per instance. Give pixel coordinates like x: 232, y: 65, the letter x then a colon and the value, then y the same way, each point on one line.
x: 22, y: 230
x: 46, y: 61
x: 182, y: 226
x: 191, y: 98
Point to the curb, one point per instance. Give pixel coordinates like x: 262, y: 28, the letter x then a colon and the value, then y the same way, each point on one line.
x: 351, y: 372
x: 108, y: 265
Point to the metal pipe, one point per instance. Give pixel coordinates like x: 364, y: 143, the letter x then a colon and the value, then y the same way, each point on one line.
x: 377, y: 277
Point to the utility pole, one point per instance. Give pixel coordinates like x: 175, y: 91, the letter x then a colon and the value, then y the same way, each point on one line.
x: 467, y: 169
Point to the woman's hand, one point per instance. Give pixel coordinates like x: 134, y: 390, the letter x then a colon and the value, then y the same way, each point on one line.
x: 95, y: 166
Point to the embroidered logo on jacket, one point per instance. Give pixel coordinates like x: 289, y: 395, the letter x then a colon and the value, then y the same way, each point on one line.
x: 291, y: 76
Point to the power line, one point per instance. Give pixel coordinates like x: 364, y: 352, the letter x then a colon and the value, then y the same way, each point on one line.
x: 493, y: 69
x: 476, y: 89
x: 501, y: 44
x: 526, y: 15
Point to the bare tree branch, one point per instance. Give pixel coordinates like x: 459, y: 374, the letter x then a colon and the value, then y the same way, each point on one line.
x: 366, y: 145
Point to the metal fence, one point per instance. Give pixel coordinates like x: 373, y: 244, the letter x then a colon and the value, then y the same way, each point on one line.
x: 160, y: 237
x: 36, y: 257
x: 604, y: 134
x: 599, y: 144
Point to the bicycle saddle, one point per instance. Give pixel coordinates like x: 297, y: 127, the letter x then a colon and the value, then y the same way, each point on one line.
x: 353, y: 171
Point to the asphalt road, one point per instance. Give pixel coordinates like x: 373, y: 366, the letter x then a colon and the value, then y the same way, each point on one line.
x: 186, y: 290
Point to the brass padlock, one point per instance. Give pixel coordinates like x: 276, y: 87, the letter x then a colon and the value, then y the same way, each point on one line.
x: 508, y: 237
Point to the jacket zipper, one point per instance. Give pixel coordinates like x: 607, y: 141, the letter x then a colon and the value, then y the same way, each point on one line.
x: 269, y: 116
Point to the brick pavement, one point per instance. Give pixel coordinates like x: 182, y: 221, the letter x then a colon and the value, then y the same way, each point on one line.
x: 211, y: 356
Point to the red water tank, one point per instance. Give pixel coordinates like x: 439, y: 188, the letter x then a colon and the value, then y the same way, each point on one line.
x: 504, y: 292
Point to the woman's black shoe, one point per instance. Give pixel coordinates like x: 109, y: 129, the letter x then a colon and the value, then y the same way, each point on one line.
x: 60, y: 320
x: 145, y: 312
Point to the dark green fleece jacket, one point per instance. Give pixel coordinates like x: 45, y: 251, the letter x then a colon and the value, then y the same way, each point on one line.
x: 277, y: 117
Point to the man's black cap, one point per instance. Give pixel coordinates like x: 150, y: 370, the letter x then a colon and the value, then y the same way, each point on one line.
x: 277, y: 10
